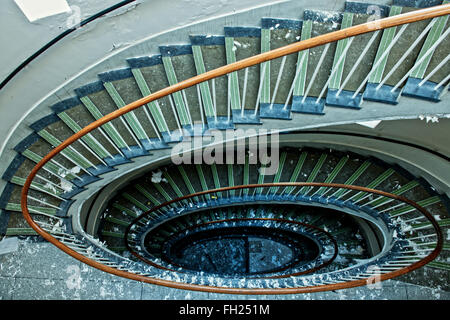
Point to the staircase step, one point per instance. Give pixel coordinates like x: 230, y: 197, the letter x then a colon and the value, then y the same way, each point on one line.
x: 209, y: 54
x: 122, y: 87
x: 34, y: 148
x: 14, y: 232
x: 316, y: 61
x: 98, y: 102
x: 382, y: 84
x: 355, y: 65
x: 241, y: 43
x: 179, y: 65
x: 279, y: 73
x: 54, y: 131
x: 423, y: 82
x: 151, y: 77
x: 73, y: 113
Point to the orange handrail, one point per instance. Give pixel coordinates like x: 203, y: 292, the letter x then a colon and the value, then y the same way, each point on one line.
x: 185, y: 286
x: 414, y: 16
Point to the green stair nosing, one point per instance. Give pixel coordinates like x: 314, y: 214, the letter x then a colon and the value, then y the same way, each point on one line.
x: 88, y: 138
x: 181, y: 108
x: 186, y: 179
x: 314, y: 172
x: 385, y: 175
x: 230, y: 178
x: 215, y: 176
x: 10, y: 232
x: 10, y: 176
x: 439, y: 265
x: 386, y: 39
x: 13, y: 167
x: 297, y: 170
x: 113, y: 234
x: 334, y: 173
x: 162, y: 191
x: 6, y: 195
x: 52, y: 166
x: 353, y: 177
x: 130, y: 117
x: 336, y: 79
x: 153, y: 106
x: 70, y: 153
x: 300, y: 83
x: 125, y: 210
x: 117, y: 221
x: 204, y: 86
x: 233, y: 93
x: 16, y: 207
x: 441, y: 223
x: 27, y: 142
x: 39, y: 187
x: 108, y: 127
x: 135, y: 201
x: 435, y: 32
x: 277, y: 177
x: 173, y: 228
x: 164, y: 232
x: 246, y: 177
x: 261, y: 175
x: 147, y: 194
x: 423, y: 203
x: 317, y: 167
x: 410, y: 185
x: 445, y: 246
x: 172, y: 183
x: 265, y: 67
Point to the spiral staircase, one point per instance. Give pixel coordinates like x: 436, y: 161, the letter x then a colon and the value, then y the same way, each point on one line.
x: 95, y: 176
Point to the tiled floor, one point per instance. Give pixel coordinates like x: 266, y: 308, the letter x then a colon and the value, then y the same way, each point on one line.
x: 40, y: 271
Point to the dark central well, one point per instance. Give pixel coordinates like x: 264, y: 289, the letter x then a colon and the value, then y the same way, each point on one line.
x: 240, y: 250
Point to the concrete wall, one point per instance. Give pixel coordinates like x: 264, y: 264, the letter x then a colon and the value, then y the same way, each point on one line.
x: 131, y: 31
x: 422, y: 164
x: 138, y: 30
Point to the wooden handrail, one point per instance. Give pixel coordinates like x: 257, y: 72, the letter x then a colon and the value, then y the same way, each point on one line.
x: 414, y: 16
x: 185, y: 286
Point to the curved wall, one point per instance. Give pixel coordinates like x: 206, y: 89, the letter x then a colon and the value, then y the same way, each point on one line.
x: 433, y: 169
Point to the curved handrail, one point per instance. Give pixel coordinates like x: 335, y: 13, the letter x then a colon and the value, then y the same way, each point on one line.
x: 344, y: 285
x: 414, y: 16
